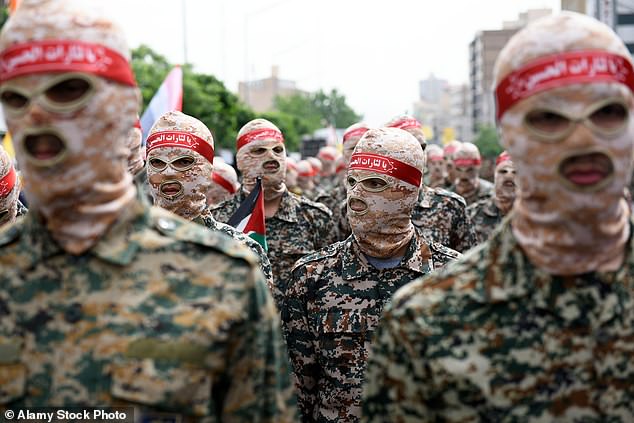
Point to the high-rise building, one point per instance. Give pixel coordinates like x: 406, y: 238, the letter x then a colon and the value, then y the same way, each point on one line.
x: 260, y: 94
x: 483, y: 52
x: 618, y: 14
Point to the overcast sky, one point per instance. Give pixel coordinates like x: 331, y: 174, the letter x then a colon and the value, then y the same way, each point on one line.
x: 375, y: 52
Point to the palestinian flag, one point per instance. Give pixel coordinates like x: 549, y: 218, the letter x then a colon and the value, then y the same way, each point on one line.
x: 249, y: 218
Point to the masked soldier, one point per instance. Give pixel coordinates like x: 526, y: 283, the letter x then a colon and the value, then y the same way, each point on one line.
x: 488, y: 213
x: 335, y: 296
x: 10, y: 205
x: 295, y: 226
x: 224, y: 183
x: 536, y: 324
x: 328, y: 156
x: 468, y: 184
x: 133, y: 144
x: 435, y: 166
x: 448, y: 151
x: 180, y: 155
x: 106, y: 301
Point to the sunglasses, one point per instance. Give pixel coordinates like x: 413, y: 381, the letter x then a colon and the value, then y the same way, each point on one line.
x: 66, y: 93
x: 180, y: 164
x: 607, y: 118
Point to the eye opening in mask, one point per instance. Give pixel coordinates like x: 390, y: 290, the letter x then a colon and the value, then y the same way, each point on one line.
x: 607, y: 118
x: 67, y: 92
x: 180, y: 163
x: 3, y: 214
x: 370, y: 183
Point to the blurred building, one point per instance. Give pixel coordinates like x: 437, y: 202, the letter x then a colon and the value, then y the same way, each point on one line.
x: 483, y: 52
x: 618, y: 14
x: 444, y: 109
x: 260, y: 94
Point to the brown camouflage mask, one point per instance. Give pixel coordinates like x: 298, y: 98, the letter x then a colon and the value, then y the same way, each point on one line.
x: 351, y: 137
x: 504, y: 181
x: 383, y: 181
x: 466, y: 167
x: 224, y: 183
x: 435, y: 165
x: 69, y: 113
x: 133, y: 143
x: 261, y: 153
x: 180, y: 152
x: 9, y: 189
x: 570, y: 135
x: 448, y: 152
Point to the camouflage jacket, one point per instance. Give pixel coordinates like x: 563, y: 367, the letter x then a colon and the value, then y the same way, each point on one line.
x: 330, y: 310
x: 299, y: 227
x: 339, y: 212
x: 208, y: 220
x: 161, y: 314
x: 320, y: 195
x: 443, y: 218
x: 492, y: 338
x: 485, y: 190
x: 485, y: 216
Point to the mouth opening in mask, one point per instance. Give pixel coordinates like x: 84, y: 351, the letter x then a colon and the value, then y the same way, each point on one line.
x: 509, y: 184
x: 271, y: 166
x: 45, y: 148
x: 588, y: 172
x: 171, y: 189
x: 357, y: 205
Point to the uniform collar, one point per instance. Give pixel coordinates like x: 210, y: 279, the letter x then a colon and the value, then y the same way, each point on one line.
x: 354, y: 264
x: 117, y: 246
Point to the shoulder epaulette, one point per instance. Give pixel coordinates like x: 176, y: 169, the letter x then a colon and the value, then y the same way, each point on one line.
x: 315, y: 205
x: 441, y: 249
x: 329, y: 251
x: 450, y: 194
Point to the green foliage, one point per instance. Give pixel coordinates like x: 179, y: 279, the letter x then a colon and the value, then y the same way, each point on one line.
x: 319, y: 109
x: 488, y: 142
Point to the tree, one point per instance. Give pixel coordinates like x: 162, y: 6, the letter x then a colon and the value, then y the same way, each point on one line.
x: 319, y: 109
x: 488, y: 142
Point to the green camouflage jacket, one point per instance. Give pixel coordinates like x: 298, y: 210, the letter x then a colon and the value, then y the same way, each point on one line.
x: 330, y: 310
x: 492, y: 338
x: 442, y: 216
x: 207, y: 220
x: 161, y: 314
x: 300, y: 227
x: 485, y: 216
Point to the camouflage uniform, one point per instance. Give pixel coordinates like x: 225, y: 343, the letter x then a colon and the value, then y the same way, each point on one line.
x: 494, y: 338
x: 330, y: 310
x: 161, y: 314
x: 485, y: 216
x: 442, y: 216
x: 207, y: 220
x: 300, y: 227
x: 485, y: 190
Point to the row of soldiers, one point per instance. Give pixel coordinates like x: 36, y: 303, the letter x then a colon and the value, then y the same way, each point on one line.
x: 107, y: 301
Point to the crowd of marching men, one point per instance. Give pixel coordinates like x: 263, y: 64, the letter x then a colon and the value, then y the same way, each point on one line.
x: 392, y: 284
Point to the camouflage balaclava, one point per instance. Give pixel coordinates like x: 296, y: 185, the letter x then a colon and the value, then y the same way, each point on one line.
x: 315, y: 163
x: 564, y: 100
x: 328, y: 156
x: 504, y: 181
x: 351, y: 137
x: 133, y: 143
x: 9, y: 189
x: 224, y: 183
x: 305, y: 174
x: 466, y: 167
x: 291, y: 174
x: 435, y: 165
x: 180, y: 154
x: 383, y: 181
x: 448, y: 152
x: 411, y: 125
x: 70, y: 99
x: 261, y: 152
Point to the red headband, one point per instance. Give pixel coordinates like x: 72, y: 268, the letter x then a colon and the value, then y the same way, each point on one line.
x: 450, y: 149
x: 558, y: 70
x: 503, y: 157
x: 64, y: 56
x: 405, y: 124
x: 260, y: 134
x: 467, y: 162
x: 220, y: 180
x: 8, y: 182
x: 182, y: 140
x: 137, y: 124
x: 435, y: 158
x: 358, y: 132
x: 387, y: 166
x: 326, y: 155
x: 308, y: 174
